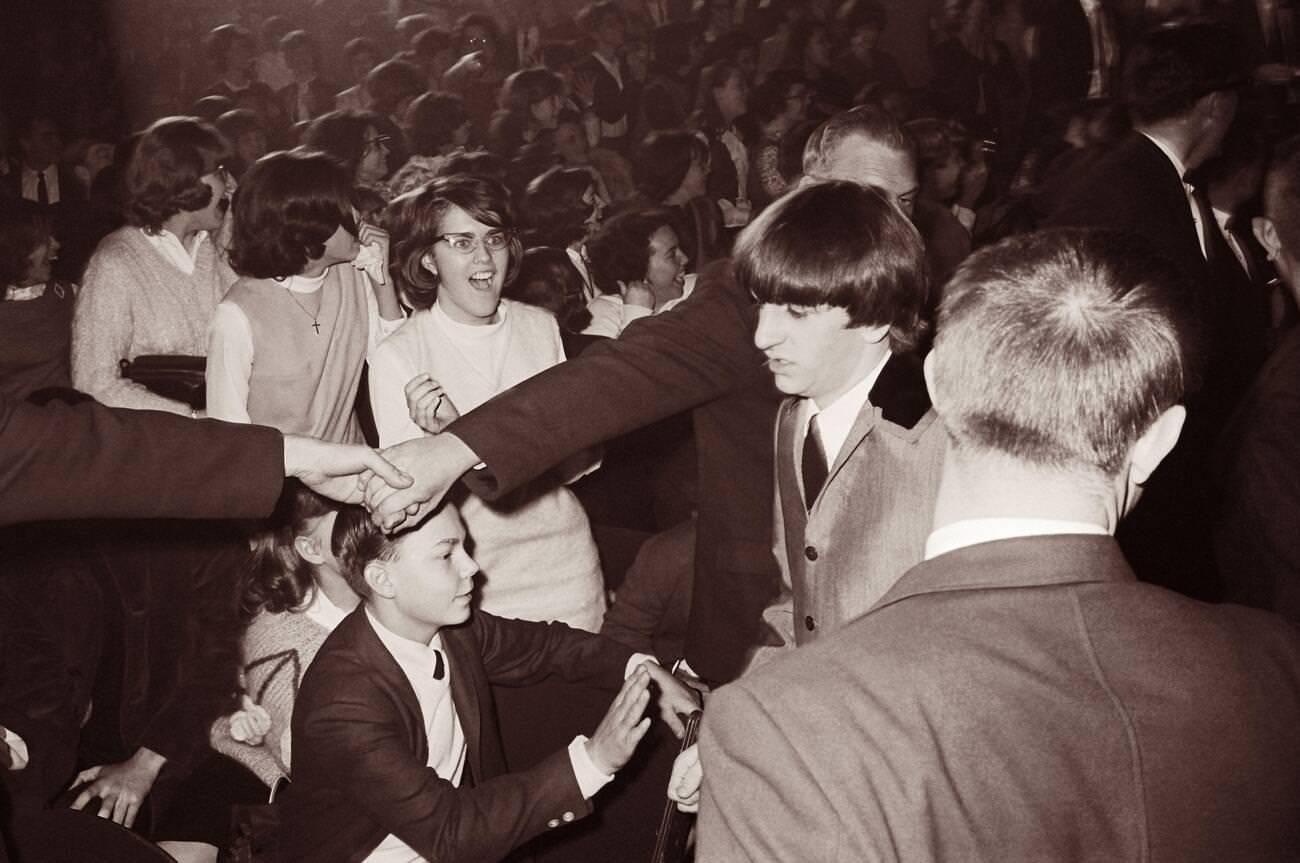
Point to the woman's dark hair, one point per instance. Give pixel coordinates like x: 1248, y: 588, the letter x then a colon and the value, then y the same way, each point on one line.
x: 279, y: 580
x: 392, y: 81
x: 547, y: 279
x: 432, y: 121
x: 526, y: 87
x: 554, y: 210
x: 209, y: 108
x: 414, y: 223
x: 288, y: 204
x: 483, y: 22
x: 239, y: 121
x: 478, y: 163
x: 620, y: 250
x: 800, y: 35
x: 771, y: 97
x: 860, y: 15
x: 789, y: 153
x: 23, y: 227
x: 663, y: 160
x: 712, y: 78
x: 165, y: 175
x: 354, y: 48
x: 342, y: 134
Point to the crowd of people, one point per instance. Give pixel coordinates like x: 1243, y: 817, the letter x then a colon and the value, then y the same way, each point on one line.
x: 534, y: 372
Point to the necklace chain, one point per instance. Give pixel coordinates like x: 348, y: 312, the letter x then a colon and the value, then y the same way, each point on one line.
x: 315, y: 320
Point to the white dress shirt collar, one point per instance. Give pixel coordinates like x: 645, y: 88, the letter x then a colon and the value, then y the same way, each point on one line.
x: 304, y: 284
x: 30, y: 183
x: 321, y: 609
x: 170, y: 247
x: 835, y: 421
x: 974, y: 531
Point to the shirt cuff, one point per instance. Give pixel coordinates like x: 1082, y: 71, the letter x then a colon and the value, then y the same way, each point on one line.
x: 634, y: 662
x: 590, y: 779
x: 18, y: 754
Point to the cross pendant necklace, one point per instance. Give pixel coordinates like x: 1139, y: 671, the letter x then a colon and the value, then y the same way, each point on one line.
x: 315, y: 321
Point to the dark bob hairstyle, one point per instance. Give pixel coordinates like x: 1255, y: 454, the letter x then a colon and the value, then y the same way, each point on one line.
x: 342, y: 134
x: 288, y: 204
x: 663, y: 160
x: 868, y: 259
x: 414, y: 222
x: 620, y: 250
x: 165, y: 175
x: 554, y: 208
x: 23, y: 227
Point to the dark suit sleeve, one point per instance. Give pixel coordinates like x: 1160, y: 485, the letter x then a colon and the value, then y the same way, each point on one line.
x: 348, y: 729
x: 658, y: 367
x: 88, y: 461
x: 521, y: 652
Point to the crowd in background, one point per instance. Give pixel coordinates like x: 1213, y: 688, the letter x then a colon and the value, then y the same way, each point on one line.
x: 483, y: 193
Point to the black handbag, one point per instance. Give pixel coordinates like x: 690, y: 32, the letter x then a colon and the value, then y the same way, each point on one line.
x: 172, y: 376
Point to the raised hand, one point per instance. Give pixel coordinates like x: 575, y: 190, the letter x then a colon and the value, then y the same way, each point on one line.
x: 339, y: 471
x: 618, y: 734
x: 434, y: 463
x: 428, y: 403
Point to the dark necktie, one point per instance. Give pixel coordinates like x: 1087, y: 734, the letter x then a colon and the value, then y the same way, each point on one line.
x: 439, y: 667
x: 814, y: 464
x: 42, y: 193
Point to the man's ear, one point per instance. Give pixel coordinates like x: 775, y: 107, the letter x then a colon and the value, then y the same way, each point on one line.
x: 1156, y: 443
x: 376, y: 575
x: 1266, y: 232
x: 308, y: 548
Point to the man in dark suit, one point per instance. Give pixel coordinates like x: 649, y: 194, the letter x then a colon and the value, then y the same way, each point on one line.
x: 1020, y: 695
x: 608, y: 89
x: 699, y: 356
x: 1180, y: 87
x: 307, y: 96
x: 40, y: 176
x: 396, y: 749
x: 1256, y: 538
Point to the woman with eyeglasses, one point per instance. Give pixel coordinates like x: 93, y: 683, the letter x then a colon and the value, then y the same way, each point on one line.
x: 151, y: 287
x: 289, y: 339
x: 356, y: 138
x: 454, y: 250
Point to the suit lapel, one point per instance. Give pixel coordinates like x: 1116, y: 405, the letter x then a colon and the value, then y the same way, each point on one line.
x: 461, y: 661
x: 376, y: 656
x: 898, y: 396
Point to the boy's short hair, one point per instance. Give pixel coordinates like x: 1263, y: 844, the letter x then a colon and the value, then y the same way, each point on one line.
x: 1060, y: 348
x: 836, y: 243
x: 356, y: 541
x: 287, y: 206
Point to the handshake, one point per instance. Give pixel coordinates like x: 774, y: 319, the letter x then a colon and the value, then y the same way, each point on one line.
x: 400, y: 484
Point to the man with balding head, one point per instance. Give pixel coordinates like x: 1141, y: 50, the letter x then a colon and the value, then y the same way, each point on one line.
x: 1019, y: 695
x: 700, y: 357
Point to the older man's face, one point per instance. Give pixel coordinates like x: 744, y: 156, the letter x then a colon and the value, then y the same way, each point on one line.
x: 860, y: 160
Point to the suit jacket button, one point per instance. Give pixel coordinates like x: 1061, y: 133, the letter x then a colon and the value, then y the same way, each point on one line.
x: 810, y: 553
x: 567, y: 816
x: 810, y: 623
x: 554, y: 822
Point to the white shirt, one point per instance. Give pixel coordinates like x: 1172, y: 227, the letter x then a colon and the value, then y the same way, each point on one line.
x: 1187, y: 190
x: 51, y: 184
x: 321, y: 609
x: 170, y: 247
x: 973, y: 531
x: 835, y: 421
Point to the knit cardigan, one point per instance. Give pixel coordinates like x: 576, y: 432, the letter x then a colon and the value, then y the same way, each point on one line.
x: 133, y: 301
x: 277, y: 650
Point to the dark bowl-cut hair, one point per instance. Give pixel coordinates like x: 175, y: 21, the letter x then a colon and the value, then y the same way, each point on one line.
x: 414, y: 222
x: 392, y: 81
x: 287, y: 205
x: 1174, y: 66
x: 867, y: 258
x: 279, y: 580
x: 554, y: 211
x: 342, y: 134
x: 24, y: 225
x: 432, y: 121
x: 526, y: 87
x: 165, y: 174
x: 547, y: 279
x: 663, y: 160
x: 620, y: 250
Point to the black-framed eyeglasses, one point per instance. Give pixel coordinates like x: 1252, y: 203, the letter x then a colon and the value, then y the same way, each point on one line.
x: 466, y: 243
x: 378, y: 141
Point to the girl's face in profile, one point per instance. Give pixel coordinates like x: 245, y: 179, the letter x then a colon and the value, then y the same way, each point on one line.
x: 470, y: 272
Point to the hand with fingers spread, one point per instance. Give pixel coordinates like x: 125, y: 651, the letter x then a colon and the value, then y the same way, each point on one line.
x: 615, y: 739
x: 584, y: 88
x: 434, y: 463
x: 685, y: 780
x: 428, y: 403
x: 343, y: 472
x: 119, y: 788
